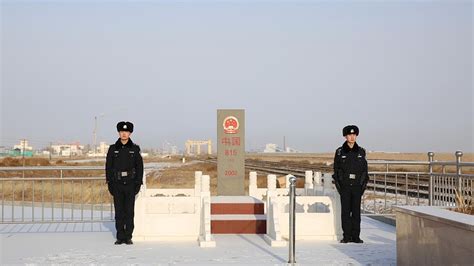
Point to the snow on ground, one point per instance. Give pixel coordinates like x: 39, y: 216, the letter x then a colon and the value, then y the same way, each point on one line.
x: 92, y: 243
x: 99, y: 212
x: 381, y: 203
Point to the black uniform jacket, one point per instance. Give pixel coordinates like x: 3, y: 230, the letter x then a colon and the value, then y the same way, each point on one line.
x: 349, y: 161
x: 124, y: 158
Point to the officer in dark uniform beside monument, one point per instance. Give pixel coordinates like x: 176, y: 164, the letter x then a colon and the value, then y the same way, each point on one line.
x: 124, y: 175
x: 350, y: 177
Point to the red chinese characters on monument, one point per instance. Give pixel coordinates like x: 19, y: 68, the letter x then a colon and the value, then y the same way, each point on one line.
x: 234, y: 141
x: 230, y: 143
x: 231, y: 126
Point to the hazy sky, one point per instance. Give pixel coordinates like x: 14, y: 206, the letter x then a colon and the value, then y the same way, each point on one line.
x: 400, y: 70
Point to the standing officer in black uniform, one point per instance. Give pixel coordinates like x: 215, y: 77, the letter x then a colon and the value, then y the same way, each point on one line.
x: 350, y: 177
x: 124, y: 172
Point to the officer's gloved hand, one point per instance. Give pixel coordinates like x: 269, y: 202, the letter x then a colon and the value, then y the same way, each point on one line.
x: 111, y: 188
x: 137, y: 188
x: 364, y: 185
x: 364, y: 181
x: 338, y: 186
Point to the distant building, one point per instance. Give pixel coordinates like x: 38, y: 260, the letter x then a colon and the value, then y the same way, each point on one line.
x: 291, y: 150
x: 271, y: 147
x: 67, y: 150
x: 23, y: 146
x: 100, y: 151
x: 103, y: 148
x: 3, y: 151
x: 18, y: 153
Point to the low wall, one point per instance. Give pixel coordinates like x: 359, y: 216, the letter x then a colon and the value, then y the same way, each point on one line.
x: 318, y: 209
x: 175, y: 214
x: 434, y: 236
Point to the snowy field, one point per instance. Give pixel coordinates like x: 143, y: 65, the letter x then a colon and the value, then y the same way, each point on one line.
x: 92, y: 243
x: 381, y: 203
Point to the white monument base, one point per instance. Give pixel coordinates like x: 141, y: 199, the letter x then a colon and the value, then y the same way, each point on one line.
x: 175, y: 214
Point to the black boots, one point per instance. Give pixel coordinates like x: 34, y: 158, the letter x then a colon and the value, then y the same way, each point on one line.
x: 345, y: 240
x: 120, y: 242
x: 353, y: 240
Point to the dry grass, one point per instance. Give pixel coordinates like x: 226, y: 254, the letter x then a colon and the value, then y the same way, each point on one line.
x: 328, y: 158
x: 77, y: 191
x: 159, y: 159
x: 48, y: 173
x: 173, y: 177
x: 9, y: 161
x: 464, y: 203
x: 56, y: 190
x: 183, y: 177
x: 179, y: 177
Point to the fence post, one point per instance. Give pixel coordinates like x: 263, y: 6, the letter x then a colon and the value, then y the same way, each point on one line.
x: 430, y: 160
x: 308, y: 183
x: 253, y: 189
x: 458, y: 170
x: 292, y: 215
x: 271, y: 189
x: 287, y: 181
x: 197, y: 183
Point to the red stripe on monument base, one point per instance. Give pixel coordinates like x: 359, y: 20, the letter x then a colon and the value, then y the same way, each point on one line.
x: 237, y: 208
x: 239, y: 227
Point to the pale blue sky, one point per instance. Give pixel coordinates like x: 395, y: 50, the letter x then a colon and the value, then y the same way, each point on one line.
x: 400, y: 70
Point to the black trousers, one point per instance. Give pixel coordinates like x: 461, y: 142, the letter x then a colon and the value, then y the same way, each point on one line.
x: 350, y: 213
x: 124, y: 202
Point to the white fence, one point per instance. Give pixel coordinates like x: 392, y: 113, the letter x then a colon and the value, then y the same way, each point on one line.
x: 175, y: 214
x: 318, y: 209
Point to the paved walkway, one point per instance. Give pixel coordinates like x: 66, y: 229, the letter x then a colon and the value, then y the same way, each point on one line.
x: 93, y: 244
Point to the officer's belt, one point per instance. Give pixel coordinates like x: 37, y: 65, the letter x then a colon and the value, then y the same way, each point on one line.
x: 124, y: 175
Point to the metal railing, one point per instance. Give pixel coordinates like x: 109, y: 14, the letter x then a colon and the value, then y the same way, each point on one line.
x: 430, y: 184
x: 55, y: 195
x: 449, y: 189
x: 51, y: 198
